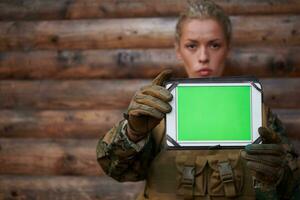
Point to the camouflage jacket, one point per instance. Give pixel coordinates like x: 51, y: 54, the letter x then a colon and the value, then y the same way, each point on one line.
x: 124, y: 160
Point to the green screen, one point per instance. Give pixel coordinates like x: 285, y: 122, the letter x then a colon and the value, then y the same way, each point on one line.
x: 213, y: 113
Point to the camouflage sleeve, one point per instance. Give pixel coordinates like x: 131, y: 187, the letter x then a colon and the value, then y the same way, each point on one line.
x: 289, y: 187
x: 275, y: 124
x: 123, y: 159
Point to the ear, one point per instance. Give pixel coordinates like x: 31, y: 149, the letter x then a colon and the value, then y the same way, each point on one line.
x: 178, y: 54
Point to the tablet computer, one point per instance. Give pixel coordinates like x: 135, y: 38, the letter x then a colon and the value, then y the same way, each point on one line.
x: 214, y: 112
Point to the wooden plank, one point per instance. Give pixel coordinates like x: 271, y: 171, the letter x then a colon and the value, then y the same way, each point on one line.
x: 80, y: 124
x: 264, y: 62
x: 65, y: 9
x: 140, y: 63
x: 281, y: 93
x: 53, y: 157
x: 83, y: 124
x: 113, y: 94
x: 49, y: 157
x: 66, y: 187
x: 120, y: 63
x: 291, y: 120
x: 137, y: 33
x: 296, y: 144
x: 72, y: 94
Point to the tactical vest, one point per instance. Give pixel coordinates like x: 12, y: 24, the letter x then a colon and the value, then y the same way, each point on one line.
x: 197, y: 174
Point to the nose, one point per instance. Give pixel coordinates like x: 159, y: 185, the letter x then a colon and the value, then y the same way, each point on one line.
x: 203, y: 56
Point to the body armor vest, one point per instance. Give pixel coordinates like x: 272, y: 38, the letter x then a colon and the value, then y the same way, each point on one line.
x: 197, y: 174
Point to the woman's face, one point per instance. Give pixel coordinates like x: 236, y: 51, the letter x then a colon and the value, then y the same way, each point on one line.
x: 202, y: 47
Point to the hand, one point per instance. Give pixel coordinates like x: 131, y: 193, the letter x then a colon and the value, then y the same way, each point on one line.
x: 266, y: 161
x: 148, y: 107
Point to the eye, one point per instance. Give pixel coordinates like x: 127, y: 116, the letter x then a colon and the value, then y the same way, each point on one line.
x: 191, y: 46
x: 215, y: 45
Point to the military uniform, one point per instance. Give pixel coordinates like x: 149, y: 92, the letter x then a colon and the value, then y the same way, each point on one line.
x: 188, y: 174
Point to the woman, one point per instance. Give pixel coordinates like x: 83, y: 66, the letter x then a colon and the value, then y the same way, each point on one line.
x: 134, y: 150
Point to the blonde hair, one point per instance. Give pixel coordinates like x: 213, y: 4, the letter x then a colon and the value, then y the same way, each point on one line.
x: 204, y: 9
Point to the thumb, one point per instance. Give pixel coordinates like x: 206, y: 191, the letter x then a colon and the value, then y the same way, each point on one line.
x: 268, y: 136
x: 162, y: 77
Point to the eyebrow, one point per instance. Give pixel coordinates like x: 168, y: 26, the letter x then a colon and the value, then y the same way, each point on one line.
x: 213, y: 40
x: 191, y: 40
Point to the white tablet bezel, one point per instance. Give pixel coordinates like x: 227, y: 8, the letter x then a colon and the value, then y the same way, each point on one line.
x: 256, y: 117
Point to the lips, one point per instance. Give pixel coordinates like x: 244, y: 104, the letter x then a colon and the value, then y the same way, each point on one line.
x: 204, y: 72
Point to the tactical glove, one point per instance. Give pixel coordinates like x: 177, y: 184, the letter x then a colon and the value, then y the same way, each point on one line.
x: 266, y: 160
x: 148, y: 107
x: 267, y: 163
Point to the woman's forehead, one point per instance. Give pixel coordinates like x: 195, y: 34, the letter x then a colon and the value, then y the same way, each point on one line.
x: 204, y: 29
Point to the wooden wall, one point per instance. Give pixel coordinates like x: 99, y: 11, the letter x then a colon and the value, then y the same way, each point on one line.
x: 68, y: 69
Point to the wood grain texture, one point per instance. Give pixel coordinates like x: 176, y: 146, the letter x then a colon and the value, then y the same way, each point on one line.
x: 291, y: 120
x: 80, y: 94
x: 66, y: 188
x: 49, y: 157
x: 84, y: 124
x: 80, y: 124
x: 281, y: 93
x: 113, y: 94
x: 137, y: 33
x: 140, y: 63
x: 54, y: 157
x: 119, y: 63
x: 76, y: 9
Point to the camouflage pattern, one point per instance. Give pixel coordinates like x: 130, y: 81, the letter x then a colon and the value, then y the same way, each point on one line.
x: 124, y: 160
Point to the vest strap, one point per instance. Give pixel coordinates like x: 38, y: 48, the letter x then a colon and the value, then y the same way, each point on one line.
x: 226, y: 175
x: 188, y: 181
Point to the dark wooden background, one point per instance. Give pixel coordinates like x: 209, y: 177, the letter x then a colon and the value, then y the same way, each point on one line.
x: 68, y: 69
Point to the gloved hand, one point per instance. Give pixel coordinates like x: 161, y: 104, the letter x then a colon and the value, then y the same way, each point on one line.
x: 266, y: 161
x: 148, y: 107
